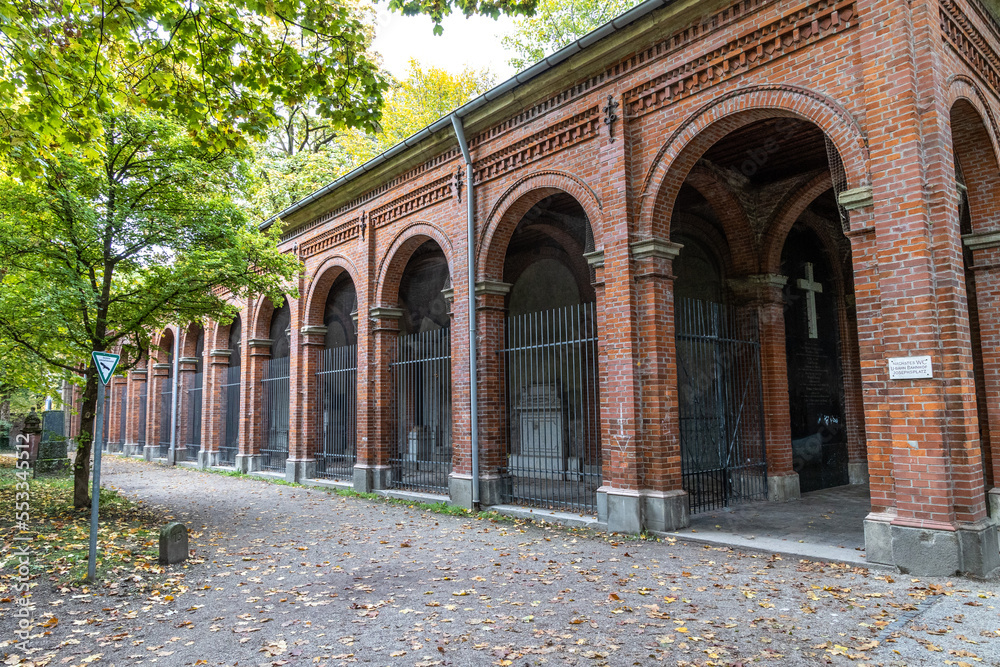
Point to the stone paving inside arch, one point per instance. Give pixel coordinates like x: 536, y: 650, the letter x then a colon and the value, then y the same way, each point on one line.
x: 285, y: 575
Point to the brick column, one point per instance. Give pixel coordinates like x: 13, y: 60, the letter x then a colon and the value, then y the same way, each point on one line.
x: 764, y: 294
x: 854, y: 410
x: 302, y: 450
x: 985, y: 249
x: 136, y: 381
x: 212, y: 415
x: 658, y: 450
x: 457, y: 297
x: 186, y: 367
x: 116, y: 434
x: 378, y: 404
x: 154, y: 418
x: 494, y: 478
x: 249, y: 458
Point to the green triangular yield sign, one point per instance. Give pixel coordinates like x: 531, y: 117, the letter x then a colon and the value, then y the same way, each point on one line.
x: 106, y: 364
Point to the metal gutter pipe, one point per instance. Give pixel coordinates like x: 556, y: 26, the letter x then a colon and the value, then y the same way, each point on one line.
x: 470, y: 198
x: 542, y: 66
x: 175, y: 385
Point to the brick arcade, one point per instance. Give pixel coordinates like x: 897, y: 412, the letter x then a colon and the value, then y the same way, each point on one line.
x: 699, y: 241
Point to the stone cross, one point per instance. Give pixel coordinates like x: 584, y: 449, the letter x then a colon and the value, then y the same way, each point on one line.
x: 812, y: 288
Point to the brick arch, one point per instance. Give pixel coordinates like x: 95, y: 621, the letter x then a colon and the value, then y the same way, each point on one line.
x: 189, y: 339
x: 735, y: 225
x: 162, y: 344
x: 390, y: 270
x: 961, y: 87
x: 513, y: 204
x: 260, y: 324
x: 786, y: 216
x: 322, y: 281
x: 709, y: 236
x: 974, y: 141
x: 729, y: 112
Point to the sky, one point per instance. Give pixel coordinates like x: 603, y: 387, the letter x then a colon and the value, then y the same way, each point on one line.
x: 473, y: 42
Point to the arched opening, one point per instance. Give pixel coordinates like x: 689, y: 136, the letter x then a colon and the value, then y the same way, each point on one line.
x: 274, y: 391
x: 193, y: 383
x: 422, y: 373
x: 230, y: 390
x: 336, y: 383
x: 977, y: 180
x: 550, y: 359
x: 764, y: 255
x: 165, y: 365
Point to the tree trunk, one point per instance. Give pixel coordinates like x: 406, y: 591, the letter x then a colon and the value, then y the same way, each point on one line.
x: 81, y: 467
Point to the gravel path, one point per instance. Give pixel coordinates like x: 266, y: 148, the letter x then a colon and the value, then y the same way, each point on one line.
x: 286, y: 575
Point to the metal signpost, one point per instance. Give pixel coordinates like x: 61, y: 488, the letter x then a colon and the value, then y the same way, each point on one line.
x: 106, y: 364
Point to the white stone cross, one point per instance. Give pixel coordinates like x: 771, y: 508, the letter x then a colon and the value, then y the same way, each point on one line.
x: 812, y: 288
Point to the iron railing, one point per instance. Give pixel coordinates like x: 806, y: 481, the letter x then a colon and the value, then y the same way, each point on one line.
x: 122, y: 415
x: 336, y: 398
x: 274, y: 414
x: 553, y: 408
x: 192, y: 444
x: 140, y: 436
x: 721, y: 406
x: 422, y: 373
x: 230, y: 443
x: 166, y: 415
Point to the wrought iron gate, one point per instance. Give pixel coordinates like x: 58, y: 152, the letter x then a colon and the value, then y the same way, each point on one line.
x: 192, y: 444
x: 422, y: 373
x: 721, y: 408
x: 166, y: 414
x: 231, y: 409
x: 553, y: 408
x: 140, y: 436
x: 274, y: 404
x: 336, y: 396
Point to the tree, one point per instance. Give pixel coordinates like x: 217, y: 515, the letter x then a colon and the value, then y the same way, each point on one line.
x: 99, y: 259
x: 557, y: 23
x: 305, y: 155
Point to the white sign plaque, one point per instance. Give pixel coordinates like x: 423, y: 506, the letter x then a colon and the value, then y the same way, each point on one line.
x: 910, y: 368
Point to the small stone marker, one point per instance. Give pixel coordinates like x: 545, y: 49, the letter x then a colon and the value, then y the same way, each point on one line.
x: 173, y: 543
x: 52, y: 458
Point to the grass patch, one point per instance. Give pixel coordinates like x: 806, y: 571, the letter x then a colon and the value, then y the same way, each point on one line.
x: 127, y: 540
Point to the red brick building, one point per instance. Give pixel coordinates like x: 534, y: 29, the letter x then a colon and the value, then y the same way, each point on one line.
x: 720, y: 251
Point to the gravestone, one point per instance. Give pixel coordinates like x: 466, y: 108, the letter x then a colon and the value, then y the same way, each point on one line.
x: 52, y: 459
x: 541, y: 431
x: 173, y: 543
x: 33, y: 430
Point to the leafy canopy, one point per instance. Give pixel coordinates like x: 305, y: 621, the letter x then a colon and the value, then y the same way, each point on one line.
x: 557, y: 23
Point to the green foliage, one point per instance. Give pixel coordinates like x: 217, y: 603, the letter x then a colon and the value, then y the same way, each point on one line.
x: 220, y: 68
x: 557, y: 23
x: 438, y: 9
x: 304, y: 155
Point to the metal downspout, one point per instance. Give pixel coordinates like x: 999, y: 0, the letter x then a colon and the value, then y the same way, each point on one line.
x: 175, y: 384
x: 471, y: 266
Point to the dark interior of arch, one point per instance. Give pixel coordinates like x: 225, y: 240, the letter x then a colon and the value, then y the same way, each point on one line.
x: 199, y: 349
x: 425, y: 276
x: 167, y: 345
x: 338, y: 314
x: 235, y: 341
x: 281, y: 319
x: 545, y: 261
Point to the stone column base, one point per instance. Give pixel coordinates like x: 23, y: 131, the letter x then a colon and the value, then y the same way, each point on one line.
x: 130, y: 449
x: 969, y: 549
x: 249, y: 463
x: 620, y: 509
x: 858, y: 472
x: 372, y: 478
x: 493, y: 490
x: 176, y: 455
x: 782, y: 488
x: 208, y: 459
x: 664, y: 511
x: 297, y: 470
x: 150, y: 452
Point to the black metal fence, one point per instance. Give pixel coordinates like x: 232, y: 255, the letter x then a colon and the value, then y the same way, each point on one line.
x: 336, y: 396
x: 140, y: 436
x: 553, y: 408
x: 721, y: 407
x: 192, y: 442
x: 422, y: 373
x: 231, y: 409
x: 166, y: 415
x: 274, y: 413
x: 122, y: 415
